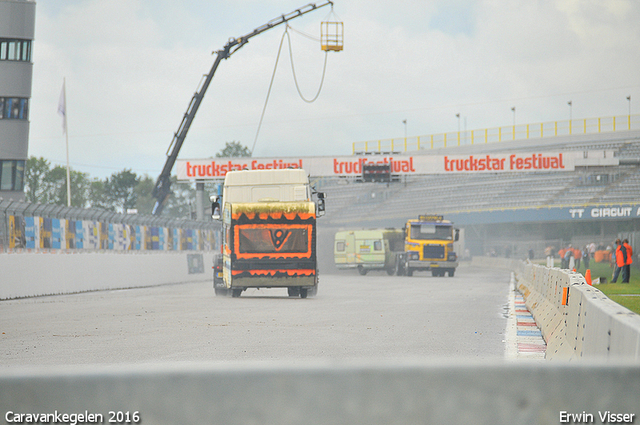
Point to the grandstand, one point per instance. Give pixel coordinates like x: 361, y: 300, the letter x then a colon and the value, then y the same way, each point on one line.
x: 352, y: 202
x: 469, y: 197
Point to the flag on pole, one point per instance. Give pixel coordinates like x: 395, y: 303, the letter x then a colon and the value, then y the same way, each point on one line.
x: 62, y: 108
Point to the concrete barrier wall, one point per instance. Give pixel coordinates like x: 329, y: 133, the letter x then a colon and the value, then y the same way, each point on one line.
x: 577, y: 320
x: 45, y: 273
x: 367, y: 393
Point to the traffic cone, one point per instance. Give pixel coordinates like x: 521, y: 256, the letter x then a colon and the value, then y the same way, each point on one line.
x: 587, y: 276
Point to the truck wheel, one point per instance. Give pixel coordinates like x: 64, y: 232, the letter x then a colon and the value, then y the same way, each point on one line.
x: 434, y: 273
x: 293, y: 291
x: 391, y: 271
x: 236, y: 293
x: 362, y: 270
x: 409, y: 271
x: 303, y: 292
x: 452, y: 272
x: 221, y: 292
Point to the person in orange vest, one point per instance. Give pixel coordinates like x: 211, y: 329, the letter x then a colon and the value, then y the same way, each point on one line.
x: 577, y: 255
x: 626, y: 271
x: 620, y: 260
x: 561, y: 254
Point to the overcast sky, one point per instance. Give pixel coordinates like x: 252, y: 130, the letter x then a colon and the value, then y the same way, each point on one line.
x: 132, y: 66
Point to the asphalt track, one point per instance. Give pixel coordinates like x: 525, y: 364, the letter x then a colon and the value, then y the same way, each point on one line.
x: 352, y: 317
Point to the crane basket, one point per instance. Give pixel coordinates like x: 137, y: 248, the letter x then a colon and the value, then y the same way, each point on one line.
x: 331, y: 36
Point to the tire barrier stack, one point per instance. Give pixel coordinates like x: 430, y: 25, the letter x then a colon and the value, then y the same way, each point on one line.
x: 577, y: 320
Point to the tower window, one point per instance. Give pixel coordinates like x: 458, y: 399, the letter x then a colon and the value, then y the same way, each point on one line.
x: 15, y: 50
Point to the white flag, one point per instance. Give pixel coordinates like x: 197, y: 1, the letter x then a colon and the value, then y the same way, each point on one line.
x: 62, y: 108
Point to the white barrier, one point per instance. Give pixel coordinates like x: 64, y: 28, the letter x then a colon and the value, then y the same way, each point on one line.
x: 43, y: 273
x: 369, y: 393
x: 577, y: 320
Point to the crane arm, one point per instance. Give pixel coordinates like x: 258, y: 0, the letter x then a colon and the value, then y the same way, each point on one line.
x: 162, y: 188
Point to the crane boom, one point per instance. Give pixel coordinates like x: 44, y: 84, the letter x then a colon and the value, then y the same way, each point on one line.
x: 162, y: 188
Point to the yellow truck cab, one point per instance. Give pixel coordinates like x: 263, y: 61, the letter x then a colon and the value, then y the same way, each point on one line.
x: 268, y: 232
x: 367, y: 250
x: 428, y: 245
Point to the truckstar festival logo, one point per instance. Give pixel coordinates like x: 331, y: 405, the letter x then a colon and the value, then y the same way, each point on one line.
x: 221, y: 168
x: 511, y: 162
x: 352, y: 166
x: 355, y: 167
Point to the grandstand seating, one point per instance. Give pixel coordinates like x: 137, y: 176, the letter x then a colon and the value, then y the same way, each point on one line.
x: 350, y: 202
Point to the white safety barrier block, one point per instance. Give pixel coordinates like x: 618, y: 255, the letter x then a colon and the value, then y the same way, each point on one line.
x: 363, y: 393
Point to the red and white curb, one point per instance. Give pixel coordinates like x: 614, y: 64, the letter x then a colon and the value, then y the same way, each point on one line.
x: 523, y: 339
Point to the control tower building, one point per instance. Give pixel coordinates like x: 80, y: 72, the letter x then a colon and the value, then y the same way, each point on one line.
x: 17, y: 25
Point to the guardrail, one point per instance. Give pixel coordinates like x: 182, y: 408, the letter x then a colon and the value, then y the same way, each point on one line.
x: 66, y: 272
x: 577, y: 320
x: 53, y: 249
x: 500, y: 134
x: 316, y: 392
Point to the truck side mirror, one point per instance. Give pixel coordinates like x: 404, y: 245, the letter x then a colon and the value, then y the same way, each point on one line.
x: 320, y: 204
x: 457, y: 237
x: 215, y: 206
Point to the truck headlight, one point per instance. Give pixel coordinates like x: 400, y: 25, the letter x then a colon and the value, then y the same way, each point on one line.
x: 452, y: 256
x: 413, y: 255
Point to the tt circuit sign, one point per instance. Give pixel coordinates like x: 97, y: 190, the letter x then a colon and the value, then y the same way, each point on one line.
x: 352, y: 166
x: 619, y: 212
x: 604, y: 212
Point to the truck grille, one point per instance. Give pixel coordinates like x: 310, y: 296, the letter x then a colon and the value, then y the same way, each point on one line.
x: 433, y: 251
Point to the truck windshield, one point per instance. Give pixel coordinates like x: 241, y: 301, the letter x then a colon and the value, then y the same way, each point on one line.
x: 426, y: 231
x: 254, y: 240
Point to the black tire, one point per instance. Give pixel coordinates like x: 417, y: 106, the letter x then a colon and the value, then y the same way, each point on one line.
x: 293, y: 291
x: 303, y: 292
x: 221, y: 292
x: 409, y: 271
x: 391, y: 271
x: 236, y: 293
x: 452, y: 272
x: 434, y: 273
x: 362, y: 271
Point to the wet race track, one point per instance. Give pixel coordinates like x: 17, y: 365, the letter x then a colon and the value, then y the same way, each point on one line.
x: 352, y: 317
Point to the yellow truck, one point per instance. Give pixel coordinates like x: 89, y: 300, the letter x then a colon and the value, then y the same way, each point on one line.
x: 424, y: 244
x: 268, y: 232
x: 428, y: 245
x: 366, y: 250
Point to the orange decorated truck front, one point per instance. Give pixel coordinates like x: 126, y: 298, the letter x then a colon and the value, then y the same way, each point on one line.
x: 269, y: 232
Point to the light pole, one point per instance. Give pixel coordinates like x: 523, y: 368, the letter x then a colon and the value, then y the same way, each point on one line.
x: 629, y: 116
x: 570, y: 103
x: 458, y: 116
x: 404, y: 121
x: 514, y: 122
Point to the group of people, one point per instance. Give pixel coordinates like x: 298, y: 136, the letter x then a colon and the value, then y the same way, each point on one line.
x: 622, y: 257
x: 570, y: 257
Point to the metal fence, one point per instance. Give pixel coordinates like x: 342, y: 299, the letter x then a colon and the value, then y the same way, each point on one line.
x: 501, y: 134
x: 34, y: 226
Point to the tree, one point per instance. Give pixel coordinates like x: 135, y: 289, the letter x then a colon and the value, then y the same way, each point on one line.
x: 49, y: 186
x: 36, y: 170
x: 144, y: 200
x: 182, y: 201
x: 234, y: 149
x: 120, y: 190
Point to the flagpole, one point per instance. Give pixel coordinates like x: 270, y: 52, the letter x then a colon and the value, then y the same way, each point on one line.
x: 66, y: 133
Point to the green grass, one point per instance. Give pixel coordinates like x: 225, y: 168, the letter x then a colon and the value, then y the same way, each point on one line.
x: 616, y: 291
